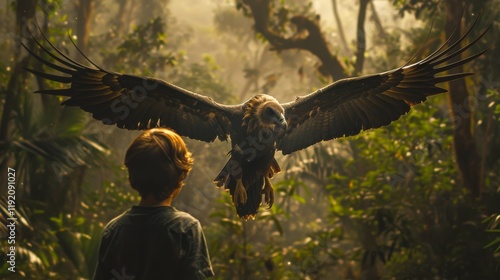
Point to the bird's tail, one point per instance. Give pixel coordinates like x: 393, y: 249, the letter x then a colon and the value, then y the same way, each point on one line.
x: 253, y: 186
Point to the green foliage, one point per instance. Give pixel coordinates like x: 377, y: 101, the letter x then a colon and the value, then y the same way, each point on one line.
x: 203, y: 77
x: 65, y: 245
x: 142, y: 50
x: 417, y: 7
x: 228, y: 20
x: 395, y: 195
x: 234, y: 244
x: 494, y: 227
x: 253, y: 249
x: 45, y: 154
x: 50, y: 150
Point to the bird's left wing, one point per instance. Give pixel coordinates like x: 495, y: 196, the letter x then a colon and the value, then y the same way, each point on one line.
x: 348, y: 106
x: 134, y: 102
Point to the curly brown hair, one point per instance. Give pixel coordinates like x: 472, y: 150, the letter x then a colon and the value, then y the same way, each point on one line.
x: 158, y: 161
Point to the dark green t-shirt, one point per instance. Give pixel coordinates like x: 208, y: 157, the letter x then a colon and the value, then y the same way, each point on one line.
x: 153, y: 243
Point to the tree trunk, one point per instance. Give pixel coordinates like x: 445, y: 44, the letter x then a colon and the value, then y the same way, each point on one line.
x: 467, y: 156
x: 361, y: 37
x: 340, y: 29
x: 378, y: 23
x: 84, y: 11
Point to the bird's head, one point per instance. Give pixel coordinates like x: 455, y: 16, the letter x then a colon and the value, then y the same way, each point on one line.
x: 271, y: 115
x: 264, y: 112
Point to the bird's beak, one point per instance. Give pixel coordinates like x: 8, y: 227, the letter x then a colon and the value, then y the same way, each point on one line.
x: 281, y: 122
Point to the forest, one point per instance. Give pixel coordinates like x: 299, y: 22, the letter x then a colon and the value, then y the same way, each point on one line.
x: 417, y: 199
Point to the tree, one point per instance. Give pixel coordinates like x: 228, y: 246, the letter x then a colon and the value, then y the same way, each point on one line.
x: 271, y: 24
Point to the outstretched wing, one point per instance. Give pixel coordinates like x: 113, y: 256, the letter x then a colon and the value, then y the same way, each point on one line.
x: 134, y: 102
x: 348, y: 106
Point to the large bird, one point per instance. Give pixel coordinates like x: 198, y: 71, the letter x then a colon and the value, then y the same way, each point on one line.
x: 260, y: 126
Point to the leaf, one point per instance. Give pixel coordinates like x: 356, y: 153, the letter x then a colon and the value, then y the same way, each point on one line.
x: 65, y: 152
x: 492, y: 243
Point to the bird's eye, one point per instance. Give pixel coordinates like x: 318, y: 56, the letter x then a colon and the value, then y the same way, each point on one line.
x: 269, y: 111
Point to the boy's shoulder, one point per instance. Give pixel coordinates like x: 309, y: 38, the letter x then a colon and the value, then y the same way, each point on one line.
x: 181, y: 220
x: 166, y: 216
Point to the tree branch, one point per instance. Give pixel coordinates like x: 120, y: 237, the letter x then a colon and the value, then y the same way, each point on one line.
x: 308, y: 37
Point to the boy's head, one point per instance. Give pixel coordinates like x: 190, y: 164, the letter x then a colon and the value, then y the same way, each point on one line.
x: 158, y: 161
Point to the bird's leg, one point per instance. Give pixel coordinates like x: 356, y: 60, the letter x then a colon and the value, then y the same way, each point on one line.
x: 268, y: 192
x: 240, y: 194
x: 274, y: 168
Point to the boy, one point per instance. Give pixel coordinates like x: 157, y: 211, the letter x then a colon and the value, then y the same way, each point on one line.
x: 154, y: 240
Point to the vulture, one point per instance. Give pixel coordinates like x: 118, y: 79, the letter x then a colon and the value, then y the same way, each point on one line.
x: 261, y: 125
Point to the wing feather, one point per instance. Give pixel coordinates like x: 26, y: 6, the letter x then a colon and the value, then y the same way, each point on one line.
x: 361, y: 121
x: 350, y: 105
x: 81, y: 102
x: 133, y: 102
x: 48, y: 76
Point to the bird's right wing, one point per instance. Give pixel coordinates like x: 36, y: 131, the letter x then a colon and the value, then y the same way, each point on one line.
x: 349, y: 106
x: 134, y: 102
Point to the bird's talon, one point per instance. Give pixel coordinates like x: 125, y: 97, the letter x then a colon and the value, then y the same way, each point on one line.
x: 240, y: 194
x: 268, y: 192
